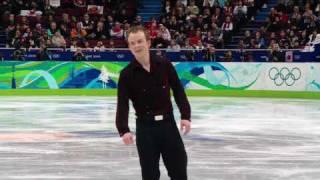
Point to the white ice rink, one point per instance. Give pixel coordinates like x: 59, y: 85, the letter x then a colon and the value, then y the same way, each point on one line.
x: 231, y: 139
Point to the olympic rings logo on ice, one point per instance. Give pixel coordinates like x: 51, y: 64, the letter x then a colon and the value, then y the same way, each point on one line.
x: 284, y: 75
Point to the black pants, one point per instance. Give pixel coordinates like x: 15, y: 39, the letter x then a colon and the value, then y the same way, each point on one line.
x: 155, y: 138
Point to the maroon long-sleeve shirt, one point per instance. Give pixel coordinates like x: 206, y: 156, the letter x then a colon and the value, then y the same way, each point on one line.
x: 149, y: 91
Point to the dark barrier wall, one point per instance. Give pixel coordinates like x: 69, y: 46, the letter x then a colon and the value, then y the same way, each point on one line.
x: 183, y: 55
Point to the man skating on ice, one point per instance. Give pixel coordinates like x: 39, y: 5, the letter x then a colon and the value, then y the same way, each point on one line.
x: 147, y: 81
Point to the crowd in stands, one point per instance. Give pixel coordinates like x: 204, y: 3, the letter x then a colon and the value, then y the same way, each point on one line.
x: 203, y: 23
x: 195, y: 24
x: 290, y: 25
x: 71, y: 24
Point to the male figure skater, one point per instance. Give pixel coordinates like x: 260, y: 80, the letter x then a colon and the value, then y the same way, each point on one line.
x: 146, y: 81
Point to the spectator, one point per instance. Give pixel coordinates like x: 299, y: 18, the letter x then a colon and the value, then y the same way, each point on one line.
x: 109, y: 23
x: 167, y: 7
x: 18, y: 53
x: 87, y: 24
x: 65, y: 20
x: 206, y: 15
x: 87, y: 46
x: 65, y: 31
x: 52, y: 29
x: 317, y: 8
x: 260, y: 40
x: 138, y: 21
x: 303, y: 39
x: 99, y: 32
x: 240, y: 12
x: 208, y: 3
x: 253, y: 44
x: 173, y: 46
x: 314, y: 39
x: 153, y: 29
x: 79, y: 55
x: 248, y: 57
x: 58, y: 40
x: 159, y: 42
x: 183, y: 2
x: 78, y: 32
x: 6, y: 7
x: 247, y: 39
x: 217, y: 17
x: 111, y: 46
x: 48, y: 20
x: 159, y: 52
x: 192, y: 10
x: 74, y: 45
x: 164, y: 33
x: 283, y: 39
x: 43, y: 54
x: 209, y: 38
x: 218, y: 35
x: 275, y: 26
x: 251, y: 12
x: 9, y: 20
x: 199, y: 46
x: 180, y: 16
x: 18, y: 6
x: 227, y: 56
x: 241, y: 45
x: 48, y: 43
x: 198, y: 23
x: 123, y: 16
x: 296, y: 17
x: 189, y: 51
x: 227, y: 28
x: 210, y: 54
x: 99, y: 47
x: 116, y: 31
x: 187, y: 44
x: 195, y: 38
x: 284, y: 18
x: 38, y: 33
x: 24, y: 23
x: 30, y: 41
x: 125, y: 30
x: 228, y: 9
x: 275, y: 54
x: 16, y: 40
x: 179, y: 38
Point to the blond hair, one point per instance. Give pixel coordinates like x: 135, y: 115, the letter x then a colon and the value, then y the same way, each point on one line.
x: 135, y: 29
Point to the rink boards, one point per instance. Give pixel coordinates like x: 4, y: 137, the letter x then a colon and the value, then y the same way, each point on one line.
x: 199, y: 78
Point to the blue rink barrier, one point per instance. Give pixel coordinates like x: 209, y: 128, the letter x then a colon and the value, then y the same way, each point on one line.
x: 183, y: 55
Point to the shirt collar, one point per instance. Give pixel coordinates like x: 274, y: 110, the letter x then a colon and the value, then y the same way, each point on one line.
x: 136, y: 64
x: 154, y: 62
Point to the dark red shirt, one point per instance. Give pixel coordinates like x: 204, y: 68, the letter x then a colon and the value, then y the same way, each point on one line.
x: 149, y: 91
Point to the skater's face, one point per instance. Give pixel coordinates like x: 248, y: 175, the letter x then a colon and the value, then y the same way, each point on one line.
x: 138, y: 44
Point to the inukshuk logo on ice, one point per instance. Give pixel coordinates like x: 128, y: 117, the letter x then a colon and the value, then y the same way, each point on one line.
x: 104, y: 77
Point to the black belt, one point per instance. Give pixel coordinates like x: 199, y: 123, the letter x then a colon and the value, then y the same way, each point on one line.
x: 155, y: 117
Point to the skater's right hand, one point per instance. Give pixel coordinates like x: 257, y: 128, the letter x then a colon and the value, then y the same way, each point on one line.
x: 127, y: 138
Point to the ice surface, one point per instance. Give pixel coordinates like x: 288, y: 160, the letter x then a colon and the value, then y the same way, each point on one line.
x: 231, y: 139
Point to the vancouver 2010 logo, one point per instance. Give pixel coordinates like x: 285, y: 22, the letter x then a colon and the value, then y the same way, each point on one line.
x: 284, y: 75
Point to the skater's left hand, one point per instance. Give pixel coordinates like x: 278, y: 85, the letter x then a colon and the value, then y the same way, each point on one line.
x: 185, y: 126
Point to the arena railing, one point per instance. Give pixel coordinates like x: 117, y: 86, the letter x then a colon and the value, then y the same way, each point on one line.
x: 176, y: 55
